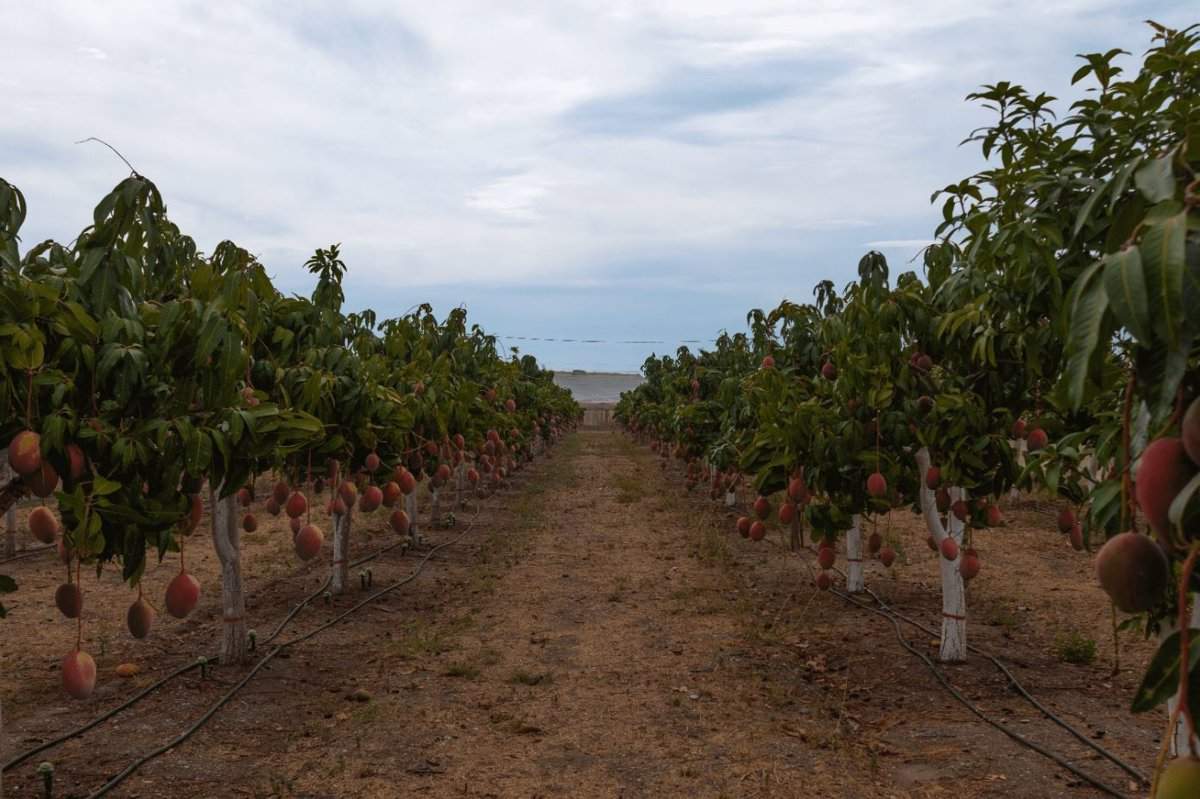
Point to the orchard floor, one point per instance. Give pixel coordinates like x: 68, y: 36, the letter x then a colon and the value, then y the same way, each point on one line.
x: 599, y: 633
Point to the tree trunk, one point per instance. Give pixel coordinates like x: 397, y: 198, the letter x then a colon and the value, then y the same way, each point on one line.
x: 1181, y: 741
x: 410, y: 507
x: 435, y: 507
x: 730, y: 499
x: 796, y: 539
x: 227, y: 540
x: 340, y: 578
x: 10, y: 515
x: 954, y: 596
x: 1021, y: 447
x: 854, y: 564
x: 460, y: 476
x: 12, y: 491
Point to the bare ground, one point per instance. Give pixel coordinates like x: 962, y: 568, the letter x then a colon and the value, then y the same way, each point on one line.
x: 601, y: 633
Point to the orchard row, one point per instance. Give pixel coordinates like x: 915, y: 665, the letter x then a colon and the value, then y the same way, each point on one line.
x: 1049, y: 345
x: 137, y: 372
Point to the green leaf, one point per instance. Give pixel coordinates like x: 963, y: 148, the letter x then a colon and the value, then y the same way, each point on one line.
x: 1163, y: 247
x: 197, y: 454
x: 1053, y: 473
x: 221, y: 442
x: 1085, y: 210
x: 102, y: 486
x: 1178, y: 512
x: 1191, y: 283
x: 91, y: 260
x: 1156, y: 179
x: 90, y: 537
x: 82, y: 324
x: 1105, y: 505
x: 1125, y: 283
x: 1087, y: 316
x: 1162, y: 675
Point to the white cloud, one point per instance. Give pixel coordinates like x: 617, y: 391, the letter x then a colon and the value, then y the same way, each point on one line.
x: 887, y: 244
x: 475, y: 142
x: 515, y: 196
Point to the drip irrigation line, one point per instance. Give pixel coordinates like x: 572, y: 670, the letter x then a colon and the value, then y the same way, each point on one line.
x: 1049, y: 714
x: 184, y: 669
x: 1020, y: 688
x: 416, y: 572
x: 1015, y: 683
x: 262, y: 662
x: 180, y: 671
x: 27, y: 554
x: 886, y: 609
x: 301, y: 605
x: 208, y: 714
x: 1095, y: 783
x: 265, y: 659
x: 139, y: 696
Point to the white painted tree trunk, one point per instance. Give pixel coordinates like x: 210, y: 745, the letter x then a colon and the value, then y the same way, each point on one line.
x: 340, y: 577
x: 854, y: 564
x: 410, y: 507
x: 954, y: 596
x: 1021, y: 447
x: 460, y: 476
x: 435, y: 507
x: 227, y: 540
x: 730, y: 499
x: 796, y: 539
x: 1182, y: 742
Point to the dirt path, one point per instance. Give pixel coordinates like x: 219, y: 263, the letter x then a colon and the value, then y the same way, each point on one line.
x: 604, y: 635
x: 596, y: 664
x: 592, y: 662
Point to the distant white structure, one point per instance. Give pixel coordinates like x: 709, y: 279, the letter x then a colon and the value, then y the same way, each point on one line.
x: 597, y: 387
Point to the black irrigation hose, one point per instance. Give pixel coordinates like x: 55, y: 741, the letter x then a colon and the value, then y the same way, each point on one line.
x: 54, y: 742
x: 21, y: 758
x: 196, y: 664
x: 971, y: 707
x: 1015, y: 683
x: 27, y: 554
x: 184, y: 669
x: 212, y: 711
x: 386, y: 589
x: 894, y: 615
x: 132, y: 767
x: 1045, y: 711
x: 1049, y: 714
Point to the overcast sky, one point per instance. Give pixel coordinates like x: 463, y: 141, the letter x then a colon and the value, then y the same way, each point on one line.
x: 589, y: 170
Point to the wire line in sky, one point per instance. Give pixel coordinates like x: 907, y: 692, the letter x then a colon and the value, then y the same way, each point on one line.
x: 606, y: 341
